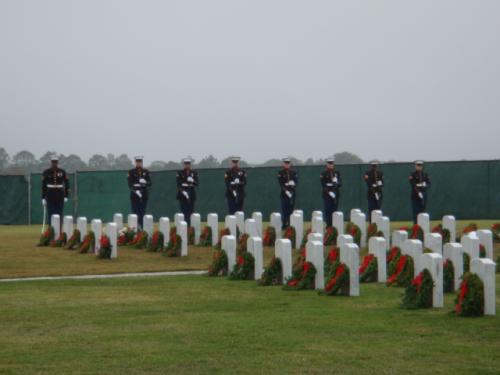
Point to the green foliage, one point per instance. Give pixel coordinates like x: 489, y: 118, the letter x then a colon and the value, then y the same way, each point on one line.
x: 219, y: 265
x: 470, y: 297
x: 273, y: 273
x: 448, y: 276
x: 244, y: 268
x: 418, y: 294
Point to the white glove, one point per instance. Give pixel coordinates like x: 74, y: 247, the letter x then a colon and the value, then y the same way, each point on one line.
x: 291, y: 183
x: 138, y: 193
x: 190, y: 179
x: 236, y: 180
x: 185, y: 193
x: 235, y: 194
x: 44, y: 202
x: 289, y: 194
x: 142, y: 181
x: 421, y: 196
x: 332, y: 194
x: 424, y: 184
x: 374, y: 185
x: 65, y: 200
x: 379, y: 182
x: 335, y: 180
x: 377, y: 197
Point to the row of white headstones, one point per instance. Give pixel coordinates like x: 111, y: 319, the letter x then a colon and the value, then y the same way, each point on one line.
x: 349, y: 251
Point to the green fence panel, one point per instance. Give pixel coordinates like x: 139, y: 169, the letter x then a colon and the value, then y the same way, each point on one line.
x: 494, y: 190
x: 36, y: 198
x: 14, y: 200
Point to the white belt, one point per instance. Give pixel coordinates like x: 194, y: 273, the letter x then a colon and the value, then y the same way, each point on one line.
x: 55, y: 186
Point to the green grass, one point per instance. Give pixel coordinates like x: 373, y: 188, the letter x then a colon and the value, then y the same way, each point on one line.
x: 196, y: 324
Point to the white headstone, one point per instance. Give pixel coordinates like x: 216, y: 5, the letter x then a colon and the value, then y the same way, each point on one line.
x: 434, y: 241
x: 254, y: 246
x: 377, y: 246
x: 196, y: 224
x: 228, y: 244
x: 240, y: 221
x: 414, y: 249
x: 118, y: 219
x: 182, y: 232
x: 317, y: 225
x: 251, y: 228
x: 486, y: 239
x: 285, y: 254
x: 55, y: 222
x: 314, y: 237
x: 424, y: 221
x: 470, y: 244
x: 178, y: 217
x: 213, y: 223
x: 148, y: 225
x: 349, y: 255
x: 132, y: 221
x: 485, y: 269
x: 81, y: 225
x: 384, y: 225
x: 317, y: 214
x: 453, y: 251
x: 433, y: 262
x: 344, y: 239
x: 68, y: 225
x: 376, y: 214
x: 399, y: 237
x: 96, y: 227
x: 449, y: 223
x: 353, y: 213
x: 360, y: 220
x: 257, y: 216
x: 276, y: 223
x: 112, y: 233
x: 230, y: 223
x: 164, y: 228
x: 297, y: 222
x: 314, y: 254
x: 338, y: 221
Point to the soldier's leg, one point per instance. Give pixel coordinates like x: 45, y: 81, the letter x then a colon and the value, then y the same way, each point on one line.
x: 50, y: 211
x: 284, y: 211
x: 328, y: 210
x: 190, y: 210
x: 140, y: 213
x: 231, y: 206
x: 372, y: 205
x: 416, y: 209
x: 240, y: 206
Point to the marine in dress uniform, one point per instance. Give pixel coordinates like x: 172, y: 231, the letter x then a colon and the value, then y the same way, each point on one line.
x: 374, y: 179
x: 55, y: 189
x: 330, y: 182
x: 187, y: 180
x: 235, y: 179
x: 419, y: 181
x: 287, y: 178
x: 139, y: 180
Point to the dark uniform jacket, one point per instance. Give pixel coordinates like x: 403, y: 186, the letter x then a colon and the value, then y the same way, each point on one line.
x: 134, y: 184
x: 55, y: 184
x: 419, y: 182
x: 374, y: 181
x: 284, y: 178
x: 331, y: 182
x: 187, y: 179
x: 235, y: 179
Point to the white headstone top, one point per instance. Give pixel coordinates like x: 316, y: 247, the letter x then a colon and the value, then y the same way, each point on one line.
x: 228, y: 244
x: 377, y: 246
x: 485, y: 269
x: 182, y: 232
x: 349, y: 255
x: 178, y: 217
x: 196, y: 225
x: 399, y: 237
x: 164, y: 228
x: 213, y: 223
x: 424, y: 221
x: 276, y: 223
x: 254, y: 246
x: 414, y: 249
x: 257, y: 216
x: 434, y: 241
x: 68, y: 225
x: 338, y: 221
x: 132, y: 221
x: 285, y: 254
x: 314, y: 254
x: 118, y: 219
x: 230, y: 224
x: 297, y: 222
x: 240, y: 221
x: 112, y: 233
x: 449, y: 223
x: 96, y: 227
x: 376, y: 214
x: 81, y: 225
x: 251, y: 228
x: 433, y: 262
x: 317, y: 225
x: 148, y: 225
x: 454, y: 253
x: 486, y: 239
x: 55, y: 222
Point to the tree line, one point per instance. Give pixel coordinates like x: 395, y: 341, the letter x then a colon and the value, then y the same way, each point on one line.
x: 24, y: 162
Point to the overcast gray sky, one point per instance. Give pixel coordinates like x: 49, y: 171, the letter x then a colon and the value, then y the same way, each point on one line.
x: 260, y: 78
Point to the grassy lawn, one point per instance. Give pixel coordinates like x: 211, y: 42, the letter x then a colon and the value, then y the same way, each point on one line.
x: 19, y: 257
x: 196, y: 324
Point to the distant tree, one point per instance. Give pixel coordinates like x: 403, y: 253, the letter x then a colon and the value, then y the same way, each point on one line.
x: 157, y: 165
x: 111, y: 161
x: 4, y: 159
x: 123, y: 162
x: 72, y: 163
x: 347, y: 158
x: 227, y: 162
x: 24, y: 161
x: 98, y: 162
x: 172, y: 165
x: 209, y: 161
x: 271, y: 163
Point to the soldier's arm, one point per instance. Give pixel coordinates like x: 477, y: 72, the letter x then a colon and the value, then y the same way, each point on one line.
x: 147, y: 177
x: 281, y: 181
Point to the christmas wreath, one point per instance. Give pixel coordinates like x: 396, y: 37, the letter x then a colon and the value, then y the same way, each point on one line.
x: 47, y: 237
x: 88, y: 243
x: 242, y: 243
x: 74, y: 240
x: 448, y: 276
x: 219, y: 264
x: 472, y: 227
x: 368, y: 271
x: 353, y: 230
x: 403, y: 272
x: 140, y: 240
x: 470, y: 296
x: 495, y: 229
x: 273, y: 273
x: 290, y: 234
x: 269, y: 236
x: 156, y: 242
x: 418, y: 294
x: 59, y: 241
x: 105, y: 250
x: 373, y: 231
x: 445, y: 233
x: 126, y: 236
x: 330, y: 237
x: 174, y: 244
x: 244, y: 268
x: 305, y: 237
x: 303, y: 277
x: 222, y: 233
x: 416, y: 233
x: 337, y: 280
x: 206, y: 237
x: 466, y: 261
x: 190, y: 234
x: 332, y: 258
x: 482, y: 251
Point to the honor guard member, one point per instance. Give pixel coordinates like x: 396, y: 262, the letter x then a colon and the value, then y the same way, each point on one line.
x: 374, y: 181
x: 331, y: 183
x: 419, y: 181
x: 187, y: 180
x: 235, y: 179
x: 55, y: 189
x: 287, y: 178
x: 139, y: 180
